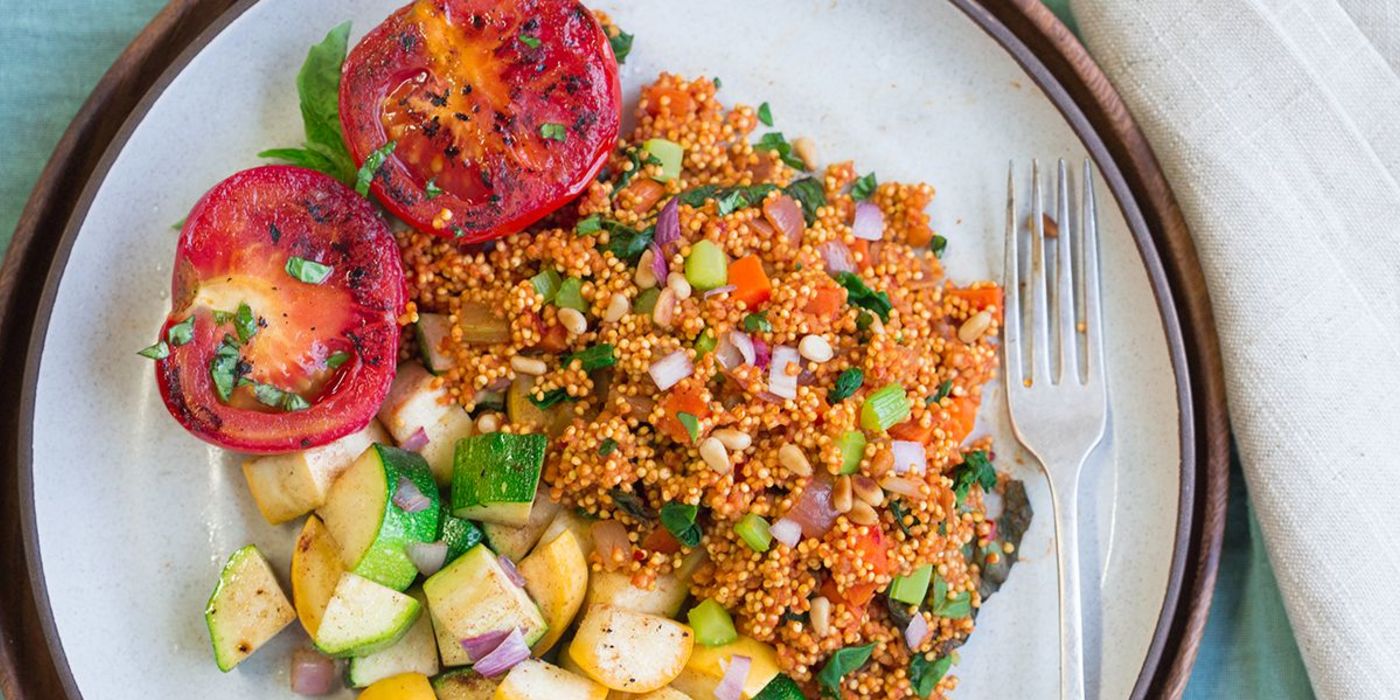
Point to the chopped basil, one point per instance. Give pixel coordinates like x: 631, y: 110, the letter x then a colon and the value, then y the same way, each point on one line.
x: 550, y: 398
x: 551, y: 130
x: 244, y: 323
x: 336, y: 359
x: 843, y: 661
x: 269, y: 395
x: 308, y: 271
x: 638, y: 158
x: 846, y: 384
x: 458, y: 232
x: 431, y: 189
x: 727, y: 199
x: 809, y: 193
x: 765, y: 114
x: 318, y: 86
x: 529, y: 41
x: 223, y: 369
x: 938, y: 244
x: 690, y: 423
x: 975, y: 469
x: 222, y: 317
x: 630, y: 503
x: 864, y: 320
x: 774, y: 141
x: 546, y: 283
x: 679, y: 520
x: 899, y: 512
x: 860, y: 295
x: 594, y: 358
x: 627, y: 243
x: 607, y: 447
x: 179, y: 224
x: 373, y: 162
x: 181, y: 333
x: 943, y: 390
x: 924, y: 674
x: 758, y: 323
x: 864, y: 186
x: 718, y: 83
x: 159, y: 351
x: 790, y: 616
x: 589, y: 224
x: 621, y: 45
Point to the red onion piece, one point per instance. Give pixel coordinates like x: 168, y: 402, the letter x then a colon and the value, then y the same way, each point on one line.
x: 869, y: 223
x: 719, y: 290
x: 745, y: 346
x: 770, y: 397
x: 428, y: 556
x: 512, y: 573
x: 762, y: 356
x: 499, y: 385
x: 611, y: 543
x: 837, y: 256
x: 728, y: 356
x: 814, y: 511
x: 408, y: 498
x: 786, y: 531
x: 511, y: 651
x: 786, y: 216
x: 671, y: 369
x: 480, y: 646
x: 658, y: 263
x: 779, y: 381
x: 312, y: 673
x: 908, y: 457
x: 916, y: 632
x: 806, y: 377
x: 991, y: 529
x: 668, y: 225
x: 417, y: 441
x: 731, y: 686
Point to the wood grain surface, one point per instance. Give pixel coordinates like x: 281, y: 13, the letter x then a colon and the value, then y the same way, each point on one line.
x: 30, y: 669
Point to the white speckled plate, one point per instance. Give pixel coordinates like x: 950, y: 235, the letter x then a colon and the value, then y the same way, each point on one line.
x: 132, y: 517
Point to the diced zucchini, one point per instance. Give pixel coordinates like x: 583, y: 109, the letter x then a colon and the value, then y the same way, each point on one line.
x: 669, y: 153
x: 364, y: 617
x: 405, y: 686
x: 646, y: 301
x: 443, y: 435
x: 556, y: 577
x: 464, y: 684
x: 431, y: 330
x: 630, y: 651
x: 707, y: 267
x: 246, y: 609
x: 481, y: 325
x: 316, y: 570
x: 494, y: 477
x: 459, y: 534
x: 290, y: 485
x: 473, y: 596
x: 664, y: 598
x: 527, y: 417
x: 852, y: 446
x: 705, y: 668
x: 911, y: 589
x: 515, y: 542
x: 780, y: 688
x: 712, y: 624
x: 415, y: 652
x: 413, y: 402
x: 884, y: 407
x: 372, y: 530
x: 570, y: 295
x: 533, y: 679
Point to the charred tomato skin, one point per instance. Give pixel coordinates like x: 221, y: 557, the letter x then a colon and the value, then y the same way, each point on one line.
x: 233, y: 249
x: 509, y: 107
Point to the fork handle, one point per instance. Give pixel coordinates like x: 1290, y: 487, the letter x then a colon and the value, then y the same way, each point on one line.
x: 1065, y: 501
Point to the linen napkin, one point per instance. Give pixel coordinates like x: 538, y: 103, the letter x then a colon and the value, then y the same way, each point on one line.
x: 1277, y: 123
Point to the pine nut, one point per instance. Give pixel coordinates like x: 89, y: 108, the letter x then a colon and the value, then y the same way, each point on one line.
x: 974, y: 327
x: 815, y: 348
x: 677, y: 283
x: 488, y: 423
x: 862, y: 514
x: 644, y: 277
x: 714, y: 454
x: 901, y: 486
x: 665, y: 312
x: 867, y: 490
x: 841, y: 495
x: 791, y: 457
x: 734, y: 440
x: 618, y: 306
x: 573, y: 321
x: 821, y: 615
x: 528, y: 365
x: 806, y: 149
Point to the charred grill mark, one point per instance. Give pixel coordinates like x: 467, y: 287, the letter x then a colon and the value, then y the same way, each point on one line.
x: 431, y: 128
x: 407, y: 40
x: 530, y: 25
x: 359, y: 345
x: 583, y: 121
x: 486, y: 179
x: 572, y: 84
x: 318, y: 213
x: 274, y: 233
x: 466, y: 89
x: 459, y: 116
x: 478, y: 22
x: 436, y: 99
x: 452, y: 151
x: 356, y: 278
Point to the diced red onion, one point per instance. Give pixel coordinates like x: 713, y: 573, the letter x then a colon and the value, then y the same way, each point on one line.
x: 901, y: 486
x: 806, y: 377
x: 779, y: 381
x: 611, y: 543
x: 658, y: 263
x: 499, y: 385
x: 869, y: 223
x: 480, y: 646
x: 745, y: 346
x: 671, y: 369
x: 668, y: 225
x: 312, y: 673
x: 814, y: 511
x: 992, y: 503
x: 728, y: 356
x: 916, y: 632
x: 991, y: 529
x: 408, y: 498
x: 511, y: 651
x: 837, y: 257
x: 428, y: 556
x: 786, y: 531
x: 512, y: 573
x: 719, y: 290
x: 786, y: 216
x: 417, y: 441
x: 908, y: 457
x: 731, y: 686
x: 762, y: 356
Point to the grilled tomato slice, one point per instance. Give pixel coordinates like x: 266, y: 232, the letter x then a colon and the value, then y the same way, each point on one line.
x: 497, y: 111
x: 283, y: 329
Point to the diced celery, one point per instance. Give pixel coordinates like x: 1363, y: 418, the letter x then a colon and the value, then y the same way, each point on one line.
x: 669, y: 153
x: 852, y: 444
x: 547, y: 284
x: 707, y: 267
x: 712, y: 624
x: 912, y: 588
x: 570, y: 295
x: 705, y: 343
x: 646, y: 301
x: 753, y: 529
x: 884, y: 407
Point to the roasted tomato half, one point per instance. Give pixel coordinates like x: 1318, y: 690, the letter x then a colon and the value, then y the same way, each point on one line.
x: 283, y: 331
x: 499, y: 111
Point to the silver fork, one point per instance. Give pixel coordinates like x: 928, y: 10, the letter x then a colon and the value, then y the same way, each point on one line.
x: 1058, y: 416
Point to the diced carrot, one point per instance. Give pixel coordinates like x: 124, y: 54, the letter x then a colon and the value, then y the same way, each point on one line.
x: 667, y: 100
x: 913, y: 431
x: 963, y: 410
x: 555, y: 339
x: 860, y: 252
x: 661, y: 540
x: 918, y: 235
x: 751, y: 283
x: 873, y: 549
x: 979, y: 297
x: 688, y: 397
x: 857, y: 596
x: 645, y: 193
x: 827, y: 302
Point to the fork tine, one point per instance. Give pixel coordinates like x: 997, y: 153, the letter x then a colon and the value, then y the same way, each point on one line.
x: 1089, y: 268
x: 1011, y: 283
x: 1067, y: 366
x: 1039, y: 316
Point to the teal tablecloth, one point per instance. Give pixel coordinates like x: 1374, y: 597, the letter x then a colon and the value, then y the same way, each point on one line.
x: 51, y: 55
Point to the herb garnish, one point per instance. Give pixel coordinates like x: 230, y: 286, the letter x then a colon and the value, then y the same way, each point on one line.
x: 608, y: 447
x: 550, y: 398
x: 809, y: 193
x: 727, y: 199
x: 638, y: 159
x: 846, y: 384
x: 336, y: 359
x: 630, y: 503
x: 529, y: 41
x: 431, y: 189
x: 955, y: 608
x: 373, y: 162
x: 925, y: 674
x: 318, y: 85
x: 589, y: 224
x: 975, y: 469
x: 269, y: 395
x: 223, y: 369
x: 181, y: 223
x: 860, y: 295
x: 222, y: 317
x: 627, y: 243
x: 843, y: 661
x: 899, y: 512
x: 690, y: 423
x: 593, y: 358
x: 551, y: 130
x: 159, y: 351
x: 937, y: 244
x: 758, y: 323
x: 621, y: 45
x: 864, y: 186
x: 775, y: 142
x: 308, y: 271
x: 943, y: 390
x: 181, y: 333
x: 765, y: 114
x: 679, y: 520
x: 244, y: 323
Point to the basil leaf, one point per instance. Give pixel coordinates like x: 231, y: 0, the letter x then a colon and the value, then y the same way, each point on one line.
x: 431, y: 189
x: 630, y: 503
x: 529, y: 41
x: 589, y: 224
x: 222, y: 317
x: 924, y: 674
x: 765, y: 114
x: 899, y: 512
x: 938, y: 244
x: 179, y: 224
x: 864, y: 187
x: 860, y: 295
x: 638, y: 158
x: 843, y: 661
x: 679, y: 520
x: 318, y: 87
x: 727, y: 199
x: 846, y: 384
x: 244, y: 323
x: 594, y: 358
x: 269, y: 395
x: 975, y: 469
x: 301, y: 157
x: 757, y: 323
x: 626, y: 243
x: 691, y: 424
x: 336, y: 359
x: 809, y: 193
x: 373, y: 162
x: 621, y: 45
x: 308, y: 271
x: 550, y: 398
x: 557, y: 132
x: 159, y: 351
x: 224, y: 369
x: 775, y: 142
x: 181, y: 333
x: 608, y: 447
x: 943, y: 390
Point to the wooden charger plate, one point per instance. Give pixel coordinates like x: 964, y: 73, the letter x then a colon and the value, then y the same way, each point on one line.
x: 32, y: 668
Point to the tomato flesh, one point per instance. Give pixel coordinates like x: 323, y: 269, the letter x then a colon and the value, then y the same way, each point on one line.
x: 509, y: 108
x: 331, y: 344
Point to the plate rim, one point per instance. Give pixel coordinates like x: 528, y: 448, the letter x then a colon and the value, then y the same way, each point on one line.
x: 32, y: 660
